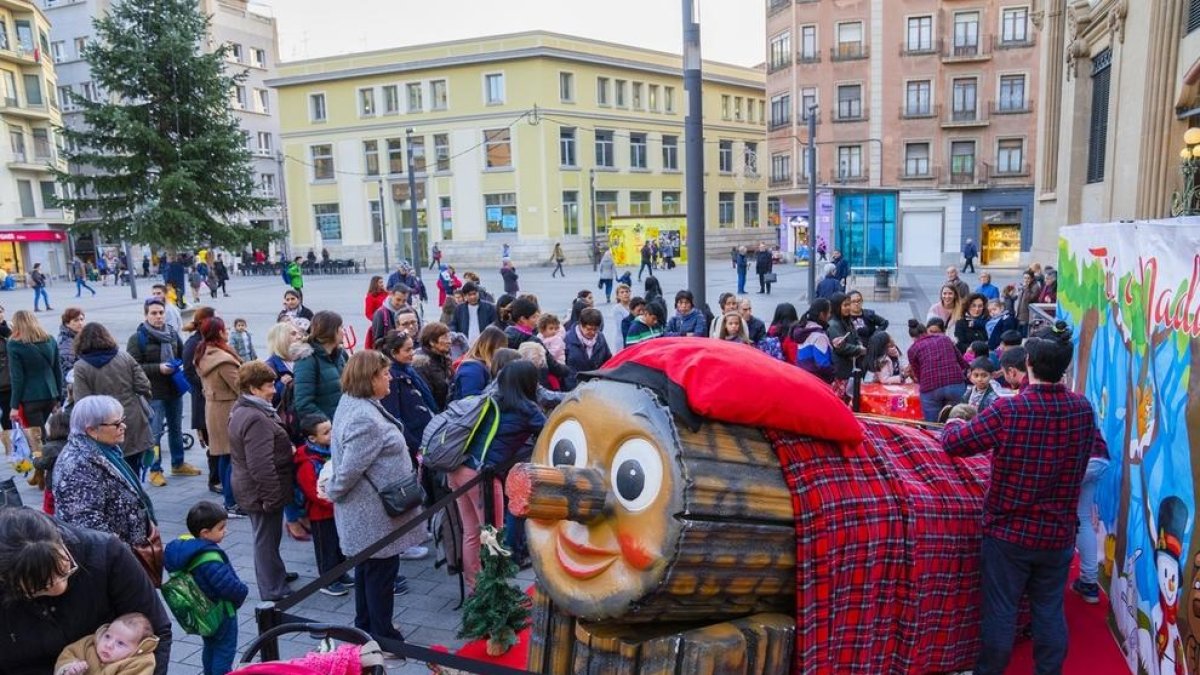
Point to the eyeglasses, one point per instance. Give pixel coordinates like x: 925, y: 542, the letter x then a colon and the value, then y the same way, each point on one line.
x: 54, y: 580
x: 118, y: 423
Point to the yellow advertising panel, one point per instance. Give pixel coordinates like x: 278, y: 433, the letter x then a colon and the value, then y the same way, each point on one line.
x: 626, y: 234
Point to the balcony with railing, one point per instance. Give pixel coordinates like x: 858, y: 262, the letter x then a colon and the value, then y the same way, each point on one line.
x: 849, y: 51
x: 1026, y: 42
x: 967, y: 52
x: 918, y: 112
x: 918, y: 171
x: 1022, y: 107
x: 849, y: 114
x: 962, y: 118
x: 811, y: 57
x: 910, y: 49
x: 966, y: 175
x: 775, y: 66
x: 777, y: 124
x: 780, y: 181
x: 847, y: 175
x: 1008, y: 170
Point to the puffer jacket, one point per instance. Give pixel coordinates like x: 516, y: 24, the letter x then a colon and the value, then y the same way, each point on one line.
x: 814, y: 353
x: 318, y: 378
x: 693, y: 322
x: 66, y: 349
x: 437, y: 372
x: 219, y: 581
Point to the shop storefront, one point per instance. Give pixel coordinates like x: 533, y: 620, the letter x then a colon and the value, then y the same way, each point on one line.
x: 866, y: 228
x: 1000, y: 221
x: 20, y: 249
x: 793, y: 235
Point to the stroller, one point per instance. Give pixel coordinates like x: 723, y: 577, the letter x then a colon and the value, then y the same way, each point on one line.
x: 358, y: 654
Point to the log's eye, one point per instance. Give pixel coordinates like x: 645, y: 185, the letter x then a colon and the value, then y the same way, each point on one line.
x: 637, y: 474
x: 568, y: 445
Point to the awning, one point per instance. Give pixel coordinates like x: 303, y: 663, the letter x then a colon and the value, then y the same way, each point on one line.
x: 32, y: 235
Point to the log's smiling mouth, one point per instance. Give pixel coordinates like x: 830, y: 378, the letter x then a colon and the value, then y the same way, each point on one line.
x: 581, y: 560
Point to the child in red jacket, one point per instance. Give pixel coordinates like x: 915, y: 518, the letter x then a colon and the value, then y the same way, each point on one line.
x: 310, y: 458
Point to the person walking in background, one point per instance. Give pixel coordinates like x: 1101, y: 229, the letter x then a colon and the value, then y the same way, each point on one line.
x: 221, y: 274
x: 647, y: 260
x: 741, y: 264
x: 509, y: 274
x: 295, y: 277
x: 843, y: 266
x: 608, y: 271
x: 79, y: 272
x: 557, y: 257
x: 37, y: 280
x: 435, y: 257
x: 830, y: 284
x: 969, y: 251
x: 763, y: 264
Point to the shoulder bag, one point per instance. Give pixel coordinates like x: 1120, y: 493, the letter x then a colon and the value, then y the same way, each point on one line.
x: 150, y: 554
x: 400, y: 496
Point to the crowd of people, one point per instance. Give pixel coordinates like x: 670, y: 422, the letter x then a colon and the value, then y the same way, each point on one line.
x: 303, y: 438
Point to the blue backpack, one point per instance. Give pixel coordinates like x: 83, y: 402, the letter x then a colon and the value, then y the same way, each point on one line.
x: 771, y: 346
x: 287, y: 276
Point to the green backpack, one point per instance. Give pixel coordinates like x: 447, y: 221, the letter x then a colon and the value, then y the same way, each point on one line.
x: 196, y: 612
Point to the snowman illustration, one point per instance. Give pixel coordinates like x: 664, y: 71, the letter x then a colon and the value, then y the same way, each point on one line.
x: 1168, y: 550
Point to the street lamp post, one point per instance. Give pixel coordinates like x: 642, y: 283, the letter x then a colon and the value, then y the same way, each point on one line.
x: 812, y: 202
x: 592, y: 197
x: 694, y: 144
x: 412, y: 204
x: 387, y: 265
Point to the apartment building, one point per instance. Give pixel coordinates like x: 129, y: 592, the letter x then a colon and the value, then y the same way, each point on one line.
x: 1122, y: 88
x: 925, y: 126
x: 31, y: 227
x: 253, y: 49
x: 525, y: 139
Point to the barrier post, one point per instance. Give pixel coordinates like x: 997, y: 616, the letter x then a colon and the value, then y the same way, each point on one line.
x: 268, y: 616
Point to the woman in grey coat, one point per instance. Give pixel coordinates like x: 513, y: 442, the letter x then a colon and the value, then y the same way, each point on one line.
x: 368, y: 447
x: 102, y: 369
x: 93, y: 486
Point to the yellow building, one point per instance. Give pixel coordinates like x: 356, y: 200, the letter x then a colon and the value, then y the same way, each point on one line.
x: 31, y: 227
x: 510, y: 135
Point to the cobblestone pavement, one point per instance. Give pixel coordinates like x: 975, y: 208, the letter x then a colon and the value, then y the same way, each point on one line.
x: 427, y: 613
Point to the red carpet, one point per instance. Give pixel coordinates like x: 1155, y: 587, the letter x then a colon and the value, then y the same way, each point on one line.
x: 1093, y: 650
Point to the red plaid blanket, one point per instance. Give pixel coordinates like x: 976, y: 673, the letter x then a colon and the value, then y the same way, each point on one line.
x: 887, y: 549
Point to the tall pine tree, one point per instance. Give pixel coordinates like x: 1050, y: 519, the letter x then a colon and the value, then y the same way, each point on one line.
x: 161, y: 159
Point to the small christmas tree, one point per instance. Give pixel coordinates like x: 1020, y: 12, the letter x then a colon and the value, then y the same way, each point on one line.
x: 497, y: 609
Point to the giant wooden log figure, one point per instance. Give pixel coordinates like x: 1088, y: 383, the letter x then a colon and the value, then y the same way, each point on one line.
x: 699, y: 507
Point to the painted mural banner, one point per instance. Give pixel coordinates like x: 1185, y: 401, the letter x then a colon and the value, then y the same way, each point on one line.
x: 1131, y: 291
x: 626, y: 234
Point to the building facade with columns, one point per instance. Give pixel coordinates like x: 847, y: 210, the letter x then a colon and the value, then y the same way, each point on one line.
x: 521, y: 140
x: 925, y: 133
x: 1122, y: 87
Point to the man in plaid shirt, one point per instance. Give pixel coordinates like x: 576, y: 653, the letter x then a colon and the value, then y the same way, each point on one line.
x: 1040, y: 441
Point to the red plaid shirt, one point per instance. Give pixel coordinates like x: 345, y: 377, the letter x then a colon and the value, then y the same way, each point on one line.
x: 1040, y: 440
x: 936, y: 362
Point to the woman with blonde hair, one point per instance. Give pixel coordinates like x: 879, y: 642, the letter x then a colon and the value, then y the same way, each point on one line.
x: 281, y: 341
x: 36, y: 375
x: 474, y: 371
x: 948, y: 308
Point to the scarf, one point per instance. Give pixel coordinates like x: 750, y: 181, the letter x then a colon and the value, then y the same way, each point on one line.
x: 100, y: 358
x: 259, y: 403
x: 165, y: 337
x: 112, y: 454
x: 588, y: 345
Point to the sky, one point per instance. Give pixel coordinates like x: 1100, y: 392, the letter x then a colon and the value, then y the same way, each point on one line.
x: 732, y: 31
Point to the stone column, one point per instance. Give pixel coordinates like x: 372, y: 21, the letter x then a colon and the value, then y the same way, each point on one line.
x: 1054, y: 50
x: 1158, y: 151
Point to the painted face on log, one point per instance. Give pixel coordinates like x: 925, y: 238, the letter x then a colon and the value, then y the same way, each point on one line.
x: 599, y: 504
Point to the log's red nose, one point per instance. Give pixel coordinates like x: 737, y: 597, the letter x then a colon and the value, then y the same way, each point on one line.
x: 556, y: 493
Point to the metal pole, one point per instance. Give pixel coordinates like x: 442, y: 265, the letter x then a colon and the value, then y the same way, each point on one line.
x: 694, y: 145
x: 592, y: 190
x: 383, y: 228
x: 812, y: 202
x: 283, y: 212
x: 412, y: 205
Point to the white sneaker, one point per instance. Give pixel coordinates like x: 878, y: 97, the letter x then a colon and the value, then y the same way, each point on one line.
x: 415, y: 553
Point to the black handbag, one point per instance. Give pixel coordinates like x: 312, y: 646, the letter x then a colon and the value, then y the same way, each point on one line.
x: 401, y: 496
x: 10, y: 497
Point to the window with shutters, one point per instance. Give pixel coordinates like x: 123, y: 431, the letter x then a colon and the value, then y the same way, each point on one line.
x: 1098, y: 129
x: 1193, y: 17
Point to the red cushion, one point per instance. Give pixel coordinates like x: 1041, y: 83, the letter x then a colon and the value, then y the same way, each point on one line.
x: 737, y: 384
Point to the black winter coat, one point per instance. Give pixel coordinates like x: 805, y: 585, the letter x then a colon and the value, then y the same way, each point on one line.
x: 110, y: 582
x: 968, y: 330
x: 150, y: 358
x: 577, y: 358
